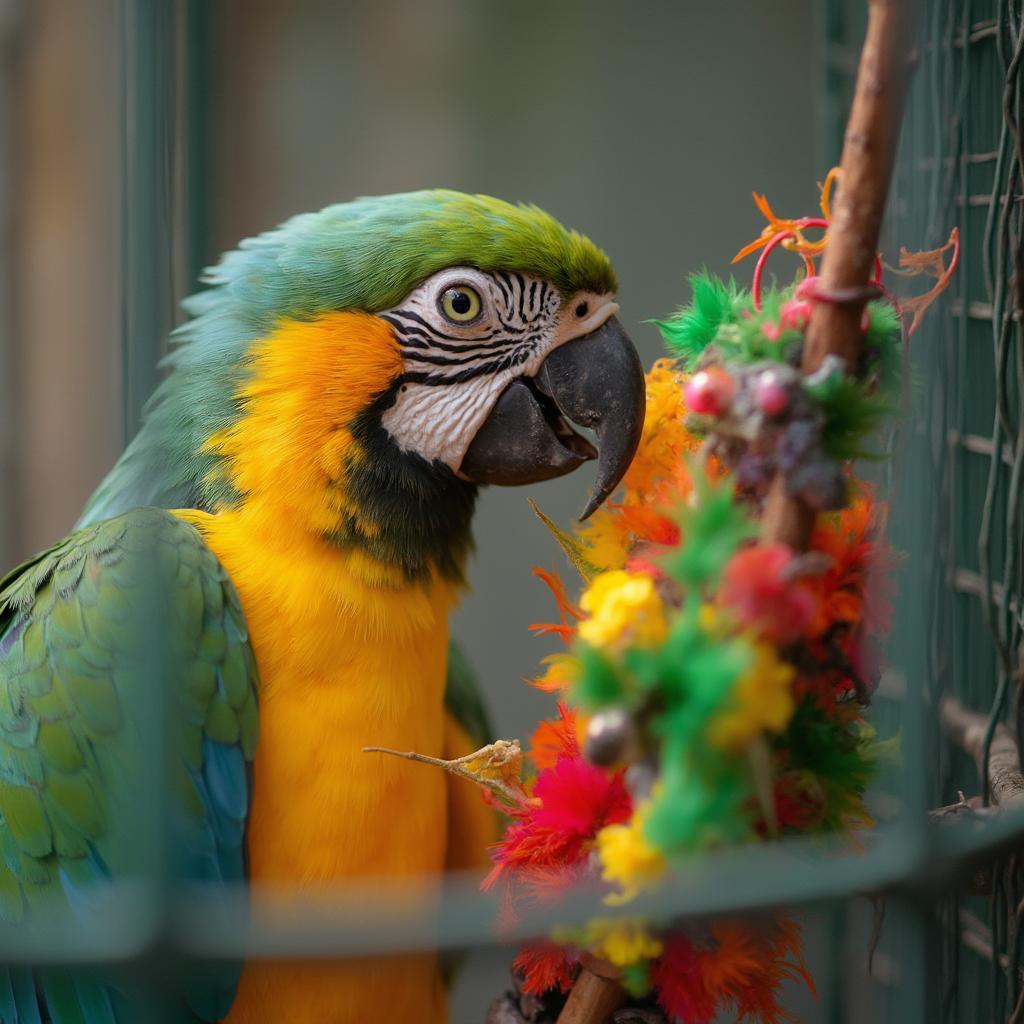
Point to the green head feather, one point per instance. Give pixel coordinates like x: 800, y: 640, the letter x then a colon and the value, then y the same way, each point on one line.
x: 364, y: 255
x: 370, y: 253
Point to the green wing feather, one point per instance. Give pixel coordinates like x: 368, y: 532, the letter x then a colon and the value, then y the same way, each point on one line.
x: 463, y: 697
x: 464, y: 700
x: 79, y: 626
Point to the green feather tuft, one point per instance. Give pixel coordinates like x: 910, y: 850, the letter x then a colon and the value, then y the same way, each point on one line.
x: 852, y: 414
x: 713, y: 528
x: 463, y: 697
x: 694, y: 327
x: 882, y: 340
x: 841, y: 756
x: 598, y: 684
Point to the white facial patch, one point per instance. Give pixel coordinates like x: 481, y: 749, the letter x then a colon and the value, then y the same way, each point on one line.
x: 455, y: 371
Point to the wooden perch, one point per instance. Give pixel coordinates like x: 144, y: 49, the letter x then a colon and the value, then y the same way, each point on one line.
x: 596, y: 995
x: 967, y: 730
x: 869, y: 150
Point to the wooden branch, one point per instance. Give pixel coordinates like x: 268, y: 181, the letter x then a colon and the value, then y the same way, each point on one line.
x: 596, y: 994
x: 869, y: 150
x: 967, y: 730
x: 954, y: 812
x: 979, y: 881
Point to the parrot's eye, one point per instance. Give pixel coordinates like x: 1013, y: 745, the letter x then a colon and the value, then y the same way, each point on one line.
x: 460, y: 304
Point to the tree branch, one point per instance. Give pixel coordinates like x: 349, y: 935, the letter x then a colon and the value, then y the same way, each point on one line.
x: 596, y: 994
x: 869, y: 151
x: 967, y: 729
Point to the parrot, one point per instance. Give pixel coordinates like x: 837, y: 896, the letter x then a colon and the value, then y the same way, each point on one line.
x: 289, y: 529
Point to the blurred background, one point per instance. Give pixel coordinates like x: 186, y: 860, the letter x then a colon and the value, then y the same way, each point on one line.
x: 138, y: 140
x: 636, y: 124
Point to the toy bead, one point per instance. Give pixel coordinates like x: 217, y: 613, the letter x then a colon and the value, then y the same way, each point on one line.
x: 609, y: 734
x: 771, y: 394
x: 640, y: 779
x: 807, y: 289
x: 710, y: 392
x: 795, y: 313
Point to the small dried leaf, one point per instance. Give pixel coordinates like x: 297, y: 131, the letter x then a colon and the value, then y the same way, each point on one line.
x: 575, y: 550
x: 496, y: 767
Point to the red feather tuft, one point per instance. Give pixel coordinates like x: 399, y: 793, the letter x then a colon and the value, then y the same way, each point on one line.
x: 739, y: 972
x: 756, y: 585
x: 678, y: 979
x: 573, y: 800
x: 545, y: 966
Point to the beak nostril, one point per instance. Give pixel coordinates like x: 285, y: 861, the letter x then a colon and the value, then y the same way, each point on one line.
x: 582, y: 309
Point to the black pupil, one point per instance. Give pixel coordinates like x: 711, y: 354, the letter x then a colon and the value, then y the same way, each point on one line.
x: 461, y: 302
x: 581, y: 309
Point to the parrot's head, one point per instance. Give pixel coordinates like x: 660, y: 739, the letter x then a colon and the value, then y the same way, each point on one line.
x: 361, y: 370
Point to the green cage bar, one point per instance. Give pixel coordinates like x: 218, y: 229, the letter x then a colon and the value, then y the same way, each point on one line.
x: 956, y: 494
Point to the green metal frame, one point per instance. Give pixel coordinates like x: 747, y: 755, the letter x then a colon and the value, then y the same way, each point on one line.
x: 944, y: 447
x: 10, y: 18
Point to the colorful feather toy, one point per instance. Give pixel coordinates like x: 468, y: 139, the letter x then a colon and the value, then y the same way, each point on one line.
x: 713, y: 688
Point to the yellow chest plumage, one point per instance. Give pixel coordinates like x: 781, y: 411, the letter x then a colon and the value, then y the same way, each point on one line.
x: 343, y: 664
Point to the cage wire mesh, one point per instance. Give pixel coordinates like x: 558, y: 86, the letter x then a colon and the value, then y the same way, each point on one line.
x: 938, y: 951
x: 957, y: 483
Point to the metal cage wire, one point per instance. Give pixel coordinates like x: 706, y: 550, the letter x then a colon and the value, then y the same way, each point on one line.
x: 962, y: 163
x: 956, y: 493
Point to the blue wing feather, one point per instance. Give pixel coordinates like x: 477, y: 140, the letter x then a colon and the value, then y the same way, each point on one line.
x: 94, y: 999
x: 61, y: 994
x: 26, y: 1006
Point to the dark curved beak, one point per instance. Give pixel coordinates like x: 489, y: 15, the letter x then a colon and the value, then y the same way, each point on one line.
x: 596, y: 382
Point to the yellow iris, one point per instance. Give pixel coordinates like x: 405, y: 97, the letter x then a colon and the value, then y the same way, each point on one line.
x: 461, y: 304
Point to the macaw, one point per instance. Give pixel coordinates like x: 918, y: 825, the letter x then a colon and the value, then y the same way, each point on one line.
x: 296, y: 510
